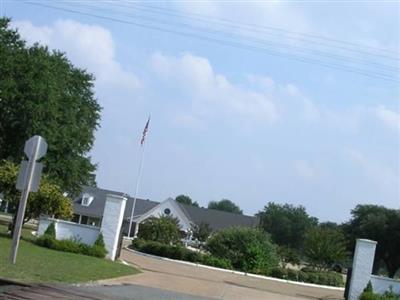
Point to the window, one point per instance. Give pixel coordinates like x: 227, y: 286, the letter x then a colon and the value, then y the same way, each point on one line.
x: 86, y: 199
x: 84, y: 220
x: 167, y: 211
x: 75, y: 218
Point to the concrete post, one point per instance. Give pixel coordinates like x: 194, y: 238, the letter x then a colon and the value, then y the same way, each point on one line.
x: 363, y: 262
x: 111, y: 224
x: 136, y: 229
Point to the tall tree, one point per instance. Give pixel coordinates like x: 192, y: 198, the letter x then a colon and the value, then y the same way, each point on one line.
x: 324, y: 246
x: 286, y: 223
x: 225, y: 205
x: 42, y: 93
x: 380, y: 224
x: 186, y: 200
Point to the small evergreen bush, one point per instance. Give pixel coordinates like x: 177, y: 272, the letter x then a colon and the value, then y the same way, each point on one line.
x: 51, y: 230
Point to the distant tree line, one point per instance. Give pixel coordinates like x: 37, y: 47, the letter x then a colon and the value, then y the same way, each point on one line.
x: 324, y: 244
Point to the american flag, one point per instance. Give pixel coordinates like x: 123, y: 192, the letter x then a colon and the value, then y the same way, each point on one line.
x: 146, y: 128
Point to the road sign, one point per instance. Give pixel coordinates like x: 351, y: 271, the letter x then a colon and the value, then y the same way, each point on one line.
x: 28, y: 180
x: 35, y: 143
x: 22, y: 175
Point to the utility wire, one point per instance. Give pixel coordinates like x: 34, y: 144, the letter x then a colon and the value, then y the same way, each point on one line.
x: 224, y: 42
x: 259, y: 28
x: 263, y: 42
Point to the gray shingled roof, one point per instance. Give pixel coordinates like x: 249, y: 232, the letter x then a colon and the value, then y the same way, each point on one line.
x: 215, y: 218
x: 96, y: 208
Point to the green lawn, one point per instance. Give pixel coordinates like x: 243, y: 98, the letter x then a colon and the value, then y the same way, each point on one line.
x: 38, y: 264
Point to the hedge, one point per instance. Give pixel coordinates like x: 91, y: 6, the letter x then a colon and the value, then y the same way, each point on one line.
x: 369, y: 294
x: 73, y: 246
x: 180, y: 253
x: 310, y: 276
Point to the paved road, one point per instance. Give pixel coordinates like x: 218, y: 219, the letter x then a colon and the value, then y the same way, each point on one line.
x: 137, y: 292
x: 202, y: 282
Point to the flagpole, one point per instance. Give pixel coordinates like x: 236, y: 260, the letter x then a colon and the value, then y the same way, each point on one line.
x: 143, y: 144
x: 136, y: 190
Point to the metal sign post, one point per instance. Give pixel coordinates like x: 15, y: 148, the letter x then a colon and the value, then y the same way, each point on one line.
x: 28, y: 180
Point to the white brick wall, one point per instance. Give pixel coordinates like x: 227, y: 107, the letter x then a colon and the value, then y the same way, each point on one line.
x: 382, y: 284
x: 69, y: 230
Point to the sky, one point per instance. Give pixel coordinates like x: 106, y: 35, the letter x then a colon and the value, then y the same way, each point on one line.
x: 286, y: 101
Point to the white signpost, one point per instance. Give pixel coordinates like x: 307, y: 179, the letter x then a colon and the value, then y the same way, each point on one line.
x: 28, y: 181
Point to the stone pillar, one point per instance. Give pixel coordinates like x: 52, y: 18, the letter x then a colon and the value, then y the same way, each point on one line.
x: 363, y: 262
x: 111, y: 224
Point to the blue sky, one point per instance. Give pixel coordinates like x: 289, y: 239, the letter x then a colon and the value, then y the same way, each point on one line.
x: 234, y: 123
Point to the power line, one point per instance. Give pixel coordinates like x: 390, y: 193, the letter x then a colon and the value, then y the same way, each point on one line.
x: 257, y: 27
x: 281, y: 46
x: 227, y: 43
x: 234, y: 23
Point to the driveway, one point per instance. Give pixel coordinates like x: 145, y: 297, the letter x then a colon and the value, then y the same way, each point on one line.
x: 208, y: 283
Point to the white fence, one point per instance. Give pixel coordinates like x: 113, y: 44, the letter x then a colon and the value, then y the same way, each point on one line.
x: 362, y: 268
x: 110, y: 227
x: 69, y: 230
x: 382, y: 284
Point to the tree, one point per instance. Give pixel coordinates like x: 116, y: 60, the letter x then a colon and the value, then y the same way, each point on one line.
x: 42, y: 93
x: 164, y: 229
x: 248, y: 249
x: 225, y: 205
x: 324, y: 246
x: 183, y: 199
x: 380, y: 224
x: 49, y: 199
x: 201, y: 231
x: 286, y: 223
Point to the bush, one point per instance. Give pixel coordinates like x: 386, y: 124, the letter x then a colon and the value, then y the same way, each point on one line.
x: 247, y: 249
x: 278, y: 273
x: 180, y: 253
x: 216, y: 262
x: 71, y: 245
x: 164, y: 229
x: 368, y: 294
x: 100, y: 241
x: 51, y: 230
x: 324, y: 278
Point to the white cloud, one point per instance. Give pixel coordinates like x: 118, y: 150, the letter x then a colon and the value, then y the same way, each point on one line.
x: 390, y: 118
x: 304, y: 169
x: 211, y: 92
x: 88, y: 46
x: 376, y: 171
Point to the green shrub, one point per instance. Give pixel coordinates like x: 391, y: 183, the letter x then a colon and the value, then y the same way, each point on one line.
x: 100, y: 241
x: 51, y: 230
x: 292, y: 275
x: 193, y: 256
x: 212, y: 261
x: 302, y: 276
x: 180, y: 253
x: 71, y: 245
x: 278, y: 273
x: 368, y: 294
x: 248, y: 249
x: 164, y: 229
x: 324, y: 278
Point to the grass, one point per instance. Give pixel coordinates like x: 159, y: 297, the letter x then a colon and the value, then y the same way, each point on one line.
x: 38, y: 264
